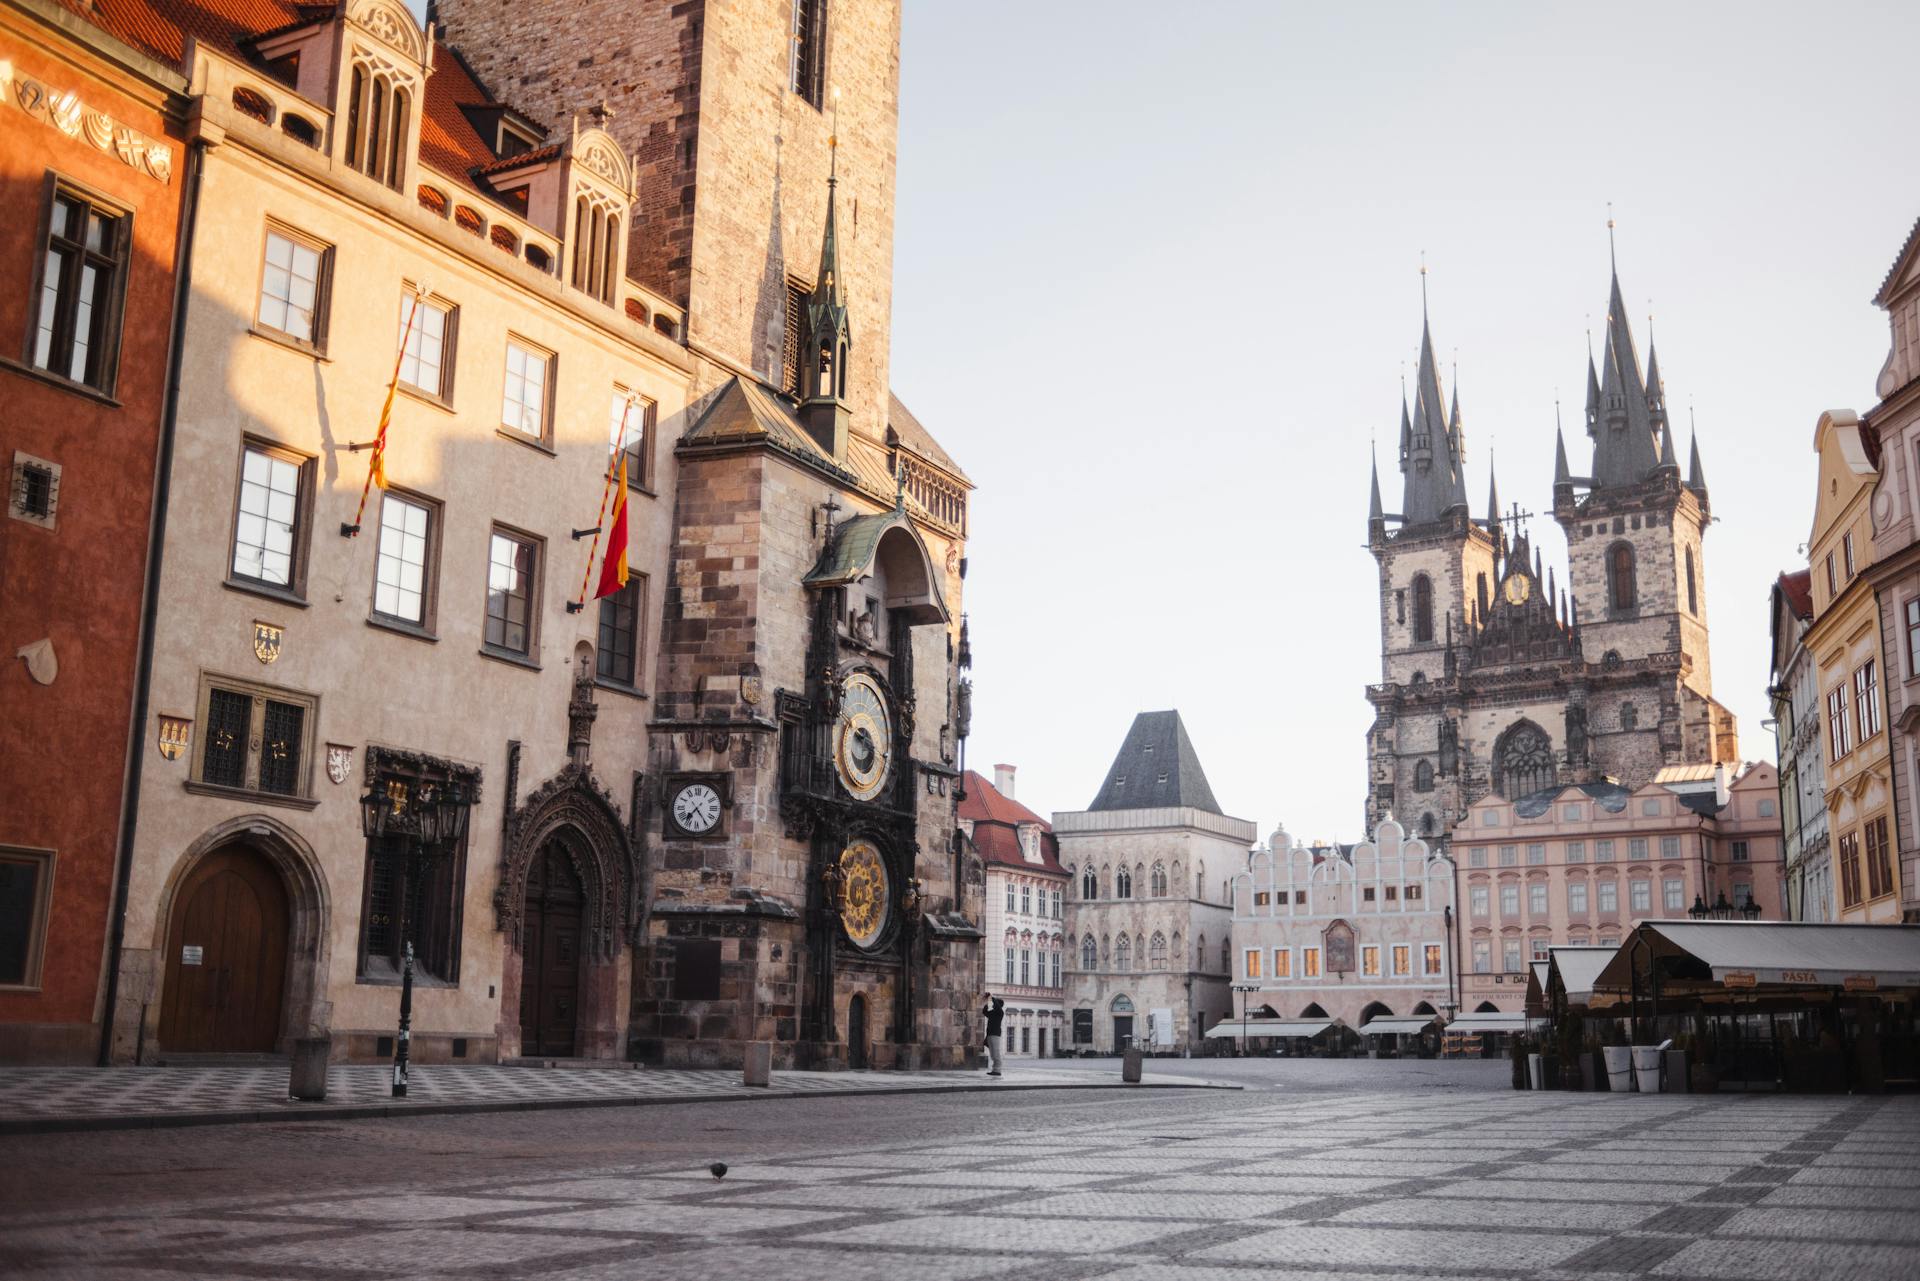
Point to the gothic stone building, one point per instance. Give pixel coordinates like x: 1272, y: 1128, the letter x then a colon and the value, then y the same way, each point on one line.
x: 806, y: 882
x: 1494, y: 679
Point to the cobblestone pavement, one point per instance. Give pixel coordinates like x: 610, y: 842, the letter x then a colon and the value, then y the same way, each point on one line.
x: 38, y: 1094
x: 1352, y: 1184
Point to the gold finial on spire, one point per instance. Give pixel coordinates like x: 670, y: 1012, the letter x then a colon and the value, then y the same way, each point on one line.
x: 833, y: 139
x: 1612, y: 260
x: 1423, y: 284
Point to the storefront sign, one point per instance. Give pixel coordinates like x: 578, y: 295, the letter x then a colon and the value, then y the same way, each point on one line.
x: 1860, y: 983
x: 1741, y: 978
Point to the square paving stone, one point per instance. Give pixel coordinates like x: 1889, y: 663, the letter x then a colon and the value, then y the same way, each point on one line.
x: 1844, y: 1198
x: 990, y: 1231
x: 1151, y: 1203
x: 797, y: 1259
x: 1576, y: 1190
x: 1854, y: 1176
x: 996, y: 1180
x: 1739, y: 1260
x: 380, y: 1251
x: 687, y: 1220
x: 1392, y: 1247
x: 1902, y: 1226
x: 851, y: 1198
x: 1537, y: 1214
x: 406, y: 1207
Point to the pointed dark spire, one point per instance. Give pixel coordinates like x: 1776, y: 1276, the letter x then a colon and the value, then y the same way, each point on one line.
x: 1376, y: 513
x: 1624, y: 430
x: 1656, y: 389
x: 1562, y: 474
x: 828, y: 340
x: 1667, y: 460
x: 1536, y: 564
x: 1433, y: 485
x: 1593, y: 393
x: 1696, y: 478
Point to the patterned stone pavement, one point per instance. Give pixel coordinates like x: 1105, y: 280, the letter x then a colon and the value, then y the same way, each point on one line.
x: 1365, y: 1183
x: 126, y: 1095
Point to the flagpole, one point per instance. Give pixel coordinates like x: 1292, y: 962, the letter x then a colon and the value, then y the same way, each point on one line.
x: 605, y: 490
x: 377, y: 463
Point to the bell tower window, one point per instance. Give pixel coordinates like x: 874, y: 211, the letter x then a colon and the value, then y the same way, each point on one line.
x: 1693, y: 599
x: 1621, y: 592
x: 1422, y: 608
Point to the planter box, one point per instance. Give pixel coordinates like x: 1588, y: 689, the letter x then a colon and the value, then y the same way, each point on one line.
x: 1646, y: 1068
x: 1619, y: 1059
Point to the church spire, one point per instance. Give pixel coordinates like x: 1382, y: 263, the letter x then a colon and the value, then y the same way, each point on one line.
x: 1624, y: 433
x: 1493, y: 511
x: 829, y: 337
x: 1376, y: 514
x: 1433, y: 482
x: 1457, y: 441
x: 1696, y: 478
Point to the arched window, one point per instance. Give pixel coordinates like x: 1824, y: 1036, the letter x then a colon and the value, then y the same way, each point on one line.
x: 1426, y: 823
x: 1123, y: 884
x: 377, y: 125
x: 1226, y: 956
x: 1200, y: 882
x: 1089, y: 953
x: 1693, y: 598
x: 1123, y: 954
x: 1089, y: 885
x: 596, y: 248
x: 1159, y: 880
x: 1523, y: 761
x: 1422, y: 608
x: 1157, y: 951
x: 1621, y: 592
x: 1629, y: 716
x: 1423, y: 777
x: 300, y: 129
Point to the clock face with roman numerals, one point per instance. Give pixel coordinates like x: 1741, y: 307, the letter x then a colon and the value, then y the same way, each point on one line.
x: 863, y: 741
x: 696, y: 808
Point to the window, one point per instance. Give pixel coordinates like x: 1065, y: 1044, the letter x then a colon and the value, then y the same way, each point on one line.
x: 1673, y: 895
x: 1482, y: 956
x: 1089, y: 953
x: 1879, y: 862
x: 1430, y: 959
x: 1123, y: 884
x: 1481, y: 898
x: 1621, y: 592
x: 1509, y: 856
x: 1693, y: 596
x: 1026, y: 1040
x: 377, y: 126
x: 1510, y: 899
x: 254, y: 737
x: 432, y: 907
x: 1056, y: 969
x: 1370, y: 960
x: 34, y: 495
x: 269, y: 534
x: 1740, y: 851
x: 1226, y: 954
x: 1056, y: 905
x: 1603, y: 852
x: 524, y: 403
x: 1123, y: 956
x: 1157, y: 952
x: 1480, y: 585
x: 1413, y: 892
x: 26, y: 890
x: 402, y: 577
x: 1423, y: 777
x: 808, y: 67
x: 1537, y: 899
x: 1640, y: 895
x: 1570, y: 813
x: 1392, y: 892
x: 1608, y: 893
x: 1310, y: 962
x: 1742, y: 893
x: 1477, y: 857
x: 426, y: 364
x: 1576, y: 851
x: 1636, y: 848
x: 1866, y: 699
x: 1300, y: 898
x: 1536, y: 855
x: 635, y: 426
x: 1159, y: 880
x: 1261, y: 898
x: 1837, y: 729
x: 1282, y: 963
x: 1540, y: 946
x: 1524, y: 761
x: 595, y: 247
x: 512, y: 561
x: 1422, y: 608
x: 1026, y: 965
x: 1669, y: 847
x: 1629, y: 716
x: 1846, y: 549
x: 1833, y: 587
x: 1850, y: 869
x: 1402, y: 960
x: 1009, y: 970
x: 75, y: 331
x: 1510, y: 956
x: 1089, y: 887
x: 1366, y: 895
x: 1576, y: 898
x: 620, y: 638
x: 293, y: 289
x: 1400, y: 605
x: 1009, y: 898
x: 1913, y: 637
x: 1766, y: 802
x: 1026, y: 900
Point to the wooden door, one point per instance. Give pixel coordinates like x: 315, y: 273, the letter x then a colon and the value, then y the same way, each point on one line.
x: 857, y: 1032
x: 550, y: 955
x: 1122, y: 1030
x: 226, y: 957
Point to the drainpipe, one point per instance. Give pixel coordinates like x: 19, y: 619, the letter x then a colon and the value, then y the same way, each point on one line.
x: 150, y: 592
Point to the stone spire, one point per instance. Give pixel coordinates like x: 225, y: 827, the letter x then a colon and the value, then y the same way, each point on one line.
x: 1562, y: 474
x: 1667, y: 460
x: 1623, y: 447
x: 1457, y: 441
x: 1433, y: 484
x: 1493, y: 511
x: 829, y: 337
x: 1376, y: 512
x: 1696, y: 478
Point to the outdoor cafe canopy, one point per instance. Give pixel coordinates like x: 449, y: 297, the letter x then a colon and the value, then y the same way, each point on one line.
x: 1257, y: 1028
x: 1397, y: 1025
x: 1719, y: 959
x: 1574, y: 968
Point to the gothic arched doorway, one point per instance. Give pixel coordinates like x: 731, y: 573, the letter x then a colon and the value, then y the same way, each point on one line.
x: 857, y: 1031
x: 550, y: 951
x: 226, y: 957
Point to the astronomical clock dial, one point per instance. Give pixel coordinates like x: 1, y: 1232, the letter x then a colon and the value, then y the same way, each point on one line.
x: 865, y: 901
x: 696, y: 808
x: 1517, y: 588
x: 862, y: 737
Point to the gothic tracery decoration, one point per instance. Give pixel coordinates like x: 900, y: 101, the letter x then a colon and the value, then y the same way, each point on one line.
x: 574, y: 811
x: 1524, y: 761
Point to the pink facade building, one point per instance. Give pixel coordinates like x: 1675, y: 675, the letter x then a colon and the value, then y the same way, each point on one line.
x: 1583, y: 865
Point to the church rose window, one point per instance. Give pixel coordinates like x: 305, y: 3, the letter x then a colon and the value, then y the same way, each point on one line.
x: 1525, y: 761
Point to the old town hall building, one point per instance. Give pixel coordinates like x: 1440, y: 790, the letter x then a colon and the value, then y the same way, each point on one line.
x: 1495, y: 678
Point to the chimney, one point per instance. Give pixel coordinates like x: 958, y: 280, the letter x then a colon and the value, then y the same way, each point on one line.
x: 1003, y: 780
x: 1720, y: 793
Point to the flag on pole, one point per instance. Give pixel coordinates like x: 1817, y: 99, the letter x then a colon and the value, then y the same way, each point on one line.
x: 613, y: 570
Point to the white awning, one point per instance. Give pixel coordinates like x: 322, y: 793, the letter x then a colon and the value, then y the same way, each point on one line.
x: 1396, y: 1025
x: 1254, y: 1029
x: 1496, y: 1022
x: 1746, y: 954
x: 1578, y: 967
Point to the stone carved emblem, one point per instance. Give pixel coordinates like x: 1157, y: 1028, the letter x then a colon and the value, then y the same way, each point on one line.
x: 176, y: 733
x: 267, y: 638
x: 339, y: 762
x: 67, y: 112
x: 751, y: 691
x: 601, y: 161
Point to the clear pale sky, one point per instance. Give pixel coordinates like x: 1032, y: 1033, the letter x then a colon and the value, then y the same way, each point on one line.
x: 1156, y: 278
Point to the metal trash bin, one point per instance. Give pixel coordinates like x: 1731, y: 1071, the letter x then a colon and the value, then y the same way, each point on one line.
x: 1130, y: 1060
x: 307, y: 1077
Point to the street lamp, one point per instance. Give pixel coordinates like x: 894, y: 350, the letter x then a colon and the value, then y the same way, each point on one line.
x: 1243, y: 989
x: 426, y: 818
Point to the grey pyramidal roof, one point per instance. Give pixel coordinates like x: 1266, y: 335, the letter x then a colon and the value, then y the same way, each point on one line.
x: 1155, y: 769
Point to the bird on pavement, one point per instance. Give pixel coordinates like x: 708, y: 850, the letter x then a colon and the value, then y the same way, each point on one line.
x: 718, y: 1170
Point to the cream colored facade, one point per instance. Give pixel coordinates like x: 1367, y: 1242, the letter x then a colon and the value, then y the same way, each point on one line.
x: 1845, y: 643
x: 435, y: 691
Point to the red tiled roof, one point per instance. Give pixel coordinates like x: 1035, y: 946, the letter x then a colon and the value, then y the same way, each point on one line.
x: 1797, y: 587
x: 161, y: 27
x: 448, y: 140
x: 534, y: 157
x: 996, y: 828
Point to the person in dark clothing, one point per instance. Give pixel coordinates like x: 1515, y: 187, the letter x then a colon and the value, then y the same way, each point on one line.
x: 995, y: 1013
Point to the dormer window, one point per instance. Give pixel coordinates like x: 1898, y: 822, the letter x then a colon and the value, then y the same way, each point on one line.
x: 596, y: 232
x: 377, y: 118
x: 513, y: 141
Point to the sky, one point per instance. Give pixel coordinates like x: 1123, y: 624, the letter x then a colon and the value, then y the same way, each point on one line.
x: 1156, y: 280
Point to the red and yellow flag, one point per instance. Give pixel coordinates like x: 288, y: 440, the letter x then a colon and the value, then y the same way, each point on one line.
x: 613, y: 570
